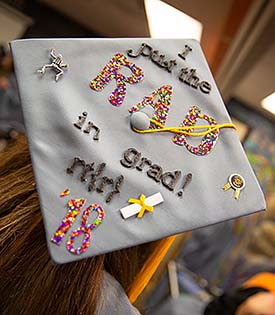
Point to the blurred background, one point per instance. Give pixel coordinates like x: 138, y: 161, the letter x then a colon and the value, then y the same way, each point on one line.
x: 238, y: 39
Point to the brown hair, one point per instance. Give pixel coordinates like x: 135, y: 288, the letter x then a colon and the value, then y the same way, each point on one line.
x: 30, y: 282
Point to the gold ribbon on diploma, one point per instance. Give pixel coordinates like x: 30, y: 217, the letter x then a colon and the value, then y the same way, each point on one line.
x: 144, y: 206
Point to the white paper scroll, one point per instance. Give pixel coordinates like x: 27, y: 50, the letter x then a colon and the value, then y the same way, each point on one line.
x: 134, y: 209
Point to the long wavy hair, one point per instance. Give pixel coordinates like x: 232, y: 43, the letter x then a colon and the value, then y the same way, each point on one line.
x: 30, y: 283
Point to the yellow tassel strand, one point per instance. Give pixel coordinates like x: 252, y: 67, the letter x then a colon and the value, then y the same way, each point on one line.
x: 184, y: 130
x: 149, y: 268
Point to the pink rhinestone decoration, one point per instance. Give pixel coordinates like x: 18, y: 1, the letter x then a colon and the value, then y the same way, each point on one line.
x: 75, y: 206
x: 85, y: 229
x: 111, y: 71
x: 161, y: 106
x: 207, y: 142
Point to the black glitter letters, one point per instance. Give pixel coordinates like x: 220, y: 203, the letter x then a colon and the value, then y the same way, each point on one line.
x: 117, y: 184
x: 85, y: 168
x: 94, y: 175
x: 155, y: 172
x: 90, y: 125
x: 131, y: 157
x: 88, y: 169
x: 169, y: 179
x: 186, y: 75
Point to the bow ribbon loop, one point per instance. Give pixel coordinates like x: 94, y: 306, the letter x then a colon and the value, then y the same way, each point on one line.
x: 144, y: 206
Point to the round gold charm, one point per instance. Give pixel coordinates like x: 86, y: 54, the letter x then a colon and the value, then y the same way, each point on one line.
x: 237, y: 181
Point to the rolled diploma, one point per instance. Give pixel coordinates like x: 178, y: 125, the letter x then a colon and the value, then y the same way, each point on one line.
x: 134, y: 208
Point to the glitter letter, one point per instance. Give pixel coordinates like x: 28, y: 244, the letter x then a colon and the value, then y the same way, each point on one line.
x: 111, y: 71
x: 85, y: 229
x: 160, y: 100
x: 207, y: 142
x: 75, y: 206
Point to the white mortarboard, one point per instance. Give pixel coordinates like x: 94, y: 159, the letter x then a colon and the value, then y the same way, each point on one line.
x: 103, y: 119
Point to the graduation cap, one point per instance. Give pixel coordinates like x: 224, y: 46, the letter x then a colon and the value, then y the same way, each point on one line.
x: 130, y: 142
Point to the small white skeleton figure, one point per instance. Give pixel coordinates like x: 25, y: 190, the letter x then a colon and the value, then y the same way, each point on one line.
x: 56, y: 65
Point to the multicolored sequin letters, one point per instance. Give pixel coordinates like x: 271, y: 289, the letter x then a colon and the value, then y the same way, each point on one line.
x: 162, y: 107
x: 207, y: 142
x: 85, y: 229
x: 111, y: 71
x: 160, y: 100
x: 75, y: 206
